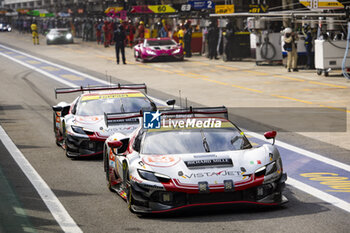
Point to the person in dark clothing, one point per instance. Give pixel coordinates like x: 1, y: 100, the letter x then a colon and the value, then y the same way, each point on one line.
x: 229, y: 35
x: 308, y: 45
x: 213, y: 38
x: 119, y: 39
x: 188, y: 39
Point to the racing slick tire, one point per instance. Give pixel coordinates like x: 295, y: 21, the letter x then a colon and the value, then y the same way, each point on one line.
x: 136, y: 55
x: 64, y: 144
x: 127, y: 187
x: 56, y: 131
x: 106, y: 169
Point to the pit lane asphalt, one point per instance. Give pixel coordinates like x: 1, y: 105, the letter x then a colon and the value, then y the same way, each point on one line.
x: 80, y: 183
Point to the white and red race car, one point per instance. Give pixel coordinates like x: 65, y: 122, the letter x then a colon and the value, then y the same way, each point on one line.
x: 79, y: 126
x: 190, y: 158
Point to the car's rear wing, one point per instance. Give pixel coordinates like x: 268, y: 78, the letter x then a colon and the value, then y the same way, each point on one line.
x: 118, y: 86
x: 111, y: 118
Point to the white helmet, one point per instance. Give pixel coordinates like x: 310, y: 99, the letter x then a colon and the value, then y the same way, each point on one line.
x: 287, y: 30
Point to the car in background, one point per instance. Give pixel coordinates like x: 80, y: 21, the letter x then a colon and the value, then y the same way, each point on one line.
x: 5, y: 27
x: 190, y: 158
x: 157, y: 49
x: 59, y: 36
x: 79, y: 127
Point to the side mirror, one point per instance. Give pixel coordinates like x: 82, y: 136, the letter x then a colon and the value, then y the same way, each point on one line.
x: 171, y: 102
x: 115, y: 144
x: 271, y: 134
x: 153, y: 107
x: 57, y: 108
x: 64, y: 110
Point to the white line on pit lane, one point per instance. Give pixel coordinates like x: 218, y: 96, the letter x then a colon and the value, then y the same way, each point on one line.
x: 319, y: 194
x: 58, y: 211
x: 297, y: 184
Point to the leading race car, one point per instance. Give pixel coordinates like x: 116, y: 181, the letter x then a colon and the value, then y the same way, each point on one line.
x: 5, y: 27
x: 156, y: 49
x: 59, y: 35
x: 79, y: 126
x: 190, y: 158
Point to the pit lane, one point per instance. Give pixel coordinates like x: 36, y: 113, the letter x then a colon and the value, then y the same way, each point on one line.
x: 36, y: 85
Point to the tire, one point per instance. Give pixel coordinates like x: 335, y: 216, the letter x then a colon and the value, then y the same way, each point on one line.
x: 318, y: 71
x: 127, y: 187
x: 55, y: 130
x: 54, y: 122
x: 141, y: 59
x: 326, y: 73
x: 106, y: 169
x: 64, y: 144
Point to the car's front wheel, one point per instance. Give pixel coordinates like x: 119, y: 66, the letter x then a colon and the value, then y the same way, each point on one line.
x: 106, y: 168
x: 64, y: 144
x: 127, y: 187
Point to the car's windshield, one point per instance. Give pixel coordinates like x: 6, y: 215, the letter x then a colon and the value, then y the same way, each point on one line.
x: 112, y: 105
x: 160, y: 42
x: 193, y: 141
x: 58, y: 31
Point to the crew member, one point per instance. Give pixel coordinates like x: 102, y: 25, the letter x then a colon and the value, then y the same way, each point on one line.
x: 188, y: 39
x: 119, y: 39
x: 141, y: 32
x: 213, y: 39
x: 130, y: 31
x: 180, y: 35
x: 308, y: 45
x: 229, y: 35
x: 110, y: 28
x: 290, y: 46
x: 98, y: 28
x: 35, y: 34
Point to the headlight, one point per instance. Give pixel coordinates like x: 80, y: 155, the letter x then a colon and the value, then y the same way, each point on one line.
x: 266, y: 170
x: 81, y: 130
x: 150, y: 52
x: 50, y: 37
x: 69, y: 36
x: 78, y: 129
x: 176, y: 51
x: 153, y: 176
x: 271, y: 168
x: 260, y: 171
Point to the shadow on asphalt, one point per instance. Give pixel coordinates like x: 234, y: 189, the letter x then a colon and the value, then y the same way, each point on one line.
x: 66, y: 193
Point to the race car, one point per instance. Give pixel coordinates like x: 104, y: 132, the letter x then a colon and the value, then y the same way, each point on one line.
x: 79, y: 126
x: 5, y: 27
x: 156, y: 49
x: 187, y: 157
x: 59, y: 35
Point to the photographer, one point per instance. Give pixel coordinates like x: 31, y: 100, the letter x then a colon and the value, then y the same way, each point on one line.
x: 290, y: 46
